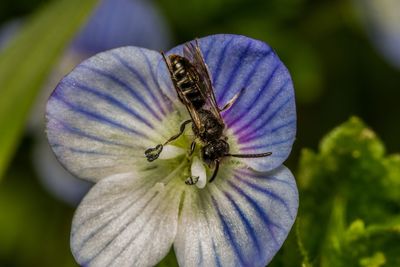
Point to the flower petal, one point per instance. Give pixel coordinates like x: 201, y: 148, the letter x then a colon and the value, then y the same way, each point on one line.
x: 381, y: 19
x: 127, y: 220
x: 198, y: 170
x: 263, y: 119
x: 241, y: 221
x: 117, y: 23
x: 170, y: 152
x: 106, y: 112
x: 59, y: 182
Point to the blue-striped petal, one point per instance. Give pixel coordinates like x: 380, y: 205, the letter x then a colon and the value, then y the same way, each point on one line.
x: 114, y: 23
x: 263, y: 119
x: 107, y: 112
x: 241, y: 219
x: 55, y: 179
x: 127, y: 219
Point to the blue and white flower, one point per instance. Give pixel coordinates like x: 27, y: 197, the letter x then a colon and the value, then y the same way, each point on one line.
x: 114, y: 23
x: 115, y: 105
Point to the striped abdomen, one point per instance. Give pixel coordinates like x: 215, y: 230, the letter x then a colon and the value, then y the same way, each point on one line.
x: 186, y: 79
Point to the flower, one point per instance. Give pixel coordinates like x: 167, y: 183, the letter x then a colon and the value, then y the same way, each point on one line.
x: 114, y: 23
x: 117, y: 23
x: 381, y: 20
x: 115, y: 105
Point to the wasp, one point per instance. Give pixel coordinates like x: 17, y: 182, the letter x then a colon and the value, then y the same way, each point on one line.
x: 192, y: 82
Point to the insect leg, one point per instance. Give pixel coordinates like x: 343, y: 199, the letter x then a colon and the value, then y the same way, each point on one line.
x: 192, y: 180
x: 192, y: 148
x: 215, y: 171
x: 181, y: 130
x: 266, y: 154
x: 232, y: 100
x: 153, y: 153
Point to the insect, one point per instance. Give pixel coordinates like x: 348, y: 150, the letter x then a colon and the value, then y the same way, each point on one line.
x: 192, y: 180
x: 192, y: 82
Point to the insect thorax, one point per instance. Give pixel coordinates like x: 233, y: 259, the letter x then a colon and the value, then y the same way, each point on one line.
x: 212, y: 128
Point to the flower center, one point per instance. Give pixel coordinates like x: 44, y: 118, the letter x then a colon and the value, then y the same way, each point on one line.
x: 196, y: 172
x: 201, y: 160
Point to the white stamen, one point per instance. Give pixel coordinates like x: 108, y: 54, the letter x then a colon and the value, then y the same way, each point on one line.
x: 170, y: 152
x: 198, y: 169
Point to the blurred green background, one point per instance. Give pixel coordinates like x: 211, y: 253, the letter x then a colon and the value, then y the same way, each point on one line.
x: 338, y: 70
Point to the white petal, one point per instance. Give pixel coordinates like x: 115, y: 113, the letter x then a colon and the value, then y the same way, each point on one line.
x: 238, y: 220
x: 107, y: 112
x: 170, y: 152
x: 198, y: 170
x: 127, y: 221
x: 57, y: 180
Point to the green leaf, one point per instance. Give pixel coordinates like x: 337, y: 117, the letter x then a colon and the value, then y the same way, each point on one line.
x: 377, y: 260
x: 371, y: 245
x: 332, y: 246
x: 349, y: 200
x: 169, y: 260
x: 27, y: 61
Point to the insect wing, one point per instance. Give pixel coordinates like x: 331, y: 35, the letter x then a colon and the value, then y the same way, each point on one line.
x: 192, y: 52
x: 189, y: 106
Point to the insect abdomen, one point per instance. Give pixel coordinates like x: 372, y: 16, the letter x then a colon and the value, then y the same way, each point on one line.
x: 186, y: 80
x: 195, y: 97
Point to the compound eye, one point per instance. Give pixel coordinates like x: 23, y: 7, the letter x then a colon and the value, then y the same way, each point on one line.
x: 208, y: 154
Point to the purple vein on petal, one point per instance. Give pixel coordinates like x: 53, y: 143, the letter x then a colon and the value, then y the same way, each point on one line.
x: 255, y: 99
x: 283, y: 125
x: 73, y: 130
x: 72, y: 83
x: 110, y: 207
x: 214, y: 247
x: 230, y: 120
x: 199, y: 262
x: 115, y: 200
x: 161, y: 95
x: 123, y: 210
x: 139, y: 231
x: 273, y: 130
x: 221, y: 57
x: 121, y: 230
x: 210, y: 45
x: 264, y: 217
x: 267, y: 192
x: 262, y: 176
x: 140, y: 78
x: 229, y: 236
x: 102, y: 211
x: 292, y: 186
x: 123, y: 85
x: 246, y: 221
x: 259, y: 146
x: 247, y: 137
x: 81, y: 151
x: 233, y: 72
x: 263, y: 110
x: 93, y: 115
